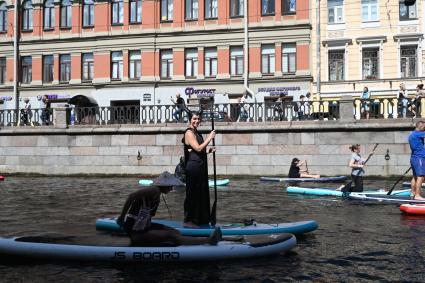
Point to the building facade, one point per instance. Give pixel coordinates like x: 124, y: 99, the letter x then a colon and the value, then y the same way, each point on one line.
x: 373, y: 43
x: 145, y: 51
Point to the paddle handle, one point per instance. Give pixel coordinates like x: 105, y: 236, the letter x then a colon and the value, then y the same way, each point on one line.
x: 399, y: 179
x: 214, y: 207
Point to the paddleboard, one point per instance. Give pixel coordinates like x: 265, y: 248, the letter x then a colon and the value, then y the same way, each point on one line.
x: 302, y: 180
x: 414, y: 209
x: 333, y: 192
x: 384, y: 198
x: 110, y: 224
x: 42, y: 248
x: 1, y: 178
x: 220, y: 182
x: 407, y: 185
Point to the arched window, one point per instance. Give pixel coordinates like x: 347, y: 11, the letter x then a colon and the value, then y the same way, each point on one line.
x: 3, y: 17
x: 49, y: 14
x: 88, y: 13
x: 27, y: 15
x: 66, y: 14
x: 117, y: 11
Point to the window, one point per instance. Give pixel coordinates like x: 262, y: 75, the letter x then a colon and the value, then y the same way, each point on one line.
x: 88, y: 13
x: 49, y: 14
x: 289, y: 54
x: 117, y: 12
x: 135, y: 11
x: 289, y: 6
x: 66, y: 14
x: 370, y: 63
x: 167, y: 64
x: 236, y: 8
x: 65, y: 68
x: 336, y: 59
x: 3, y: 17
x: 268, y: 59
x: 407, y: 13
x: 88, y: 66
x: 335, y: 11
x: 191, y: 62
x: 2, y: 70
x: 116, y: 64
x: 27, y: 15
x: 191, y: 9
x: 135, y: 65
x: 166, y: 10
x: 370, y: 10
x: 48, y: 68
x: 26, y: 69
x: 211, y: 9
x: 210, y: 62
x: 267, y: 7
x: 236, y: 61
x: 408, y: 60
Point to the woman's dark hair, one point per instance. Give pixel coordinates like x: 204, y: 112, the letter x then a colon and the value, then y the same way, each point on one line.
x: 421, y: 86
x: 191, y: 113
x: 294, y: 161
x: 354, y: 147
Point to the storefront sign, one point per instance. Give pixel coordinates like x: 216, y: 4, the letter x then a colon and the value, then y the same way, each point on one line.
x: 202, y: 92
x: 54, y: 96
x: 279, y: 90
x: 6, y: 98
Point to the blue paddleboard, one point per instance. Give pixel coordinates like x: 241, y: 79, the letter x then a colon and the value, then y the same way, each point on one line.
x: 301, y: 227
x: 220, y: 182
x: 303, y: 180
x: 114, y: 250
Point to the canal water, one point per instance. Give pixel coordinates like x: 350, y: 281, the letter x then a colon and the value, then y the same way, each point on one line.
x: 355, y: 242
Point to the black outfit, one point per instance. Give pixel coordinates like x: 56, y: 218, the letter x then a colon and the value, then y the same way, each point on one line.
x: 358, y: 184
x: 294, y: 171
x: 197, y: 202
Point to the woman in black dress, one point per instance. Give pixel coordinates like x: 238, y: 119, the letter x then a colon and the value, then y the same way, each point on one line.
x: 197, y: 202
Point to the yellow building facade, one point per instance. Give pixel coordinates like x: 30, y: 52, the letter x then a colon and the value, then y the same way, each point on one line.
x: 373, y: 43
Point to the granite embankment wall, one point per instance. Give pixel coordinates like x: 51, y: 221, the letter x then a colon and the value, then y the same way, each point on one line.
x: 242, y: 148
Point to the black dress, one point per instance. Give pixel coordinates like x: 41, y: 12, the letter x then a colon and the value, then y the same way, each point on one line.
x: 197, y: 202
x: 294, y: 171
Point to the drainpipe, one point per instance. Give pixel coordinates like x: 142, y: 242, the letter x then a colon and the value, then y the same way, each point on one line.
x: 16, y: 60
x: 318, y: 78
x: 246, y: 48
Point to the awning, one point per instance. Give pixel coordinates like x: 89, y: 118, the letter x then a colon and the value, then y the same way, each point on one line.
x: 83, y: 101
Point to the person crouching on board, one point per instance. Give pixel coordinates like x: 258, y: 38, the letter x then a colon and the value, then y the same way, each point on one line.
x: 142, y: 205
x: 356, y: 165
x: 417, y: 159
x: 295, y: 170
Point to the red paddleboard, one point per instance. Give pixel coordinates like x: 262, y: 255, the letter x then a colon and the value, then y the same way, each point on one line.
x: 417, y: 209
x: 1, y: 178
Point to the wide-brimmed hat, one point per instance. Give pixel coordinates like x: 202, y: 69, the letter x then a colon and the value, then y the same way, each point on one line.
x: 166, y: 179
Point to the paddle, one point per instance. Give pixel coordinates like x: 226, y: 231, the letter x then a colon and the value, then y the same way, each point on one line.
x: 348, y: 185
x: 399, y: 179
x: 214, y: 207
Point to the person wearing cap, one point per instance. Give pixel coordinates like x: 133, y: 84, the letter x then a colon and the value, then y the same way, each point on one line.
x: 26, y: 112
x: 296, y: 172
x: 141, y: 206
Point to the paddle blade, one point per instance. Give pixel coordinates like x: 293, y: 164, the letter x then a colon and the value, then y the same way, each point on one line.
x: 214, y: 214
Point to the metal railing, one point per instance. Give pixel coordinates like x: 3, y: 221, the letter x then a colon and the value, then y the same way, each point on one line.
x: 228, y: 112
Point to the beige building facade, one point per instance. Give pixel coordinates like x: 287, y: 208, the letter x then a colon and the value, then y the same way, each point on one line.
x: 373, y: 43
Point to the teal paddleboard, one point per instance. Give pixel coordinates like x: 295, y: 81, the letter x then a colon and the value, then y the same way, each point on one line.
x: 335, y: 193
x: 301, y: 227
